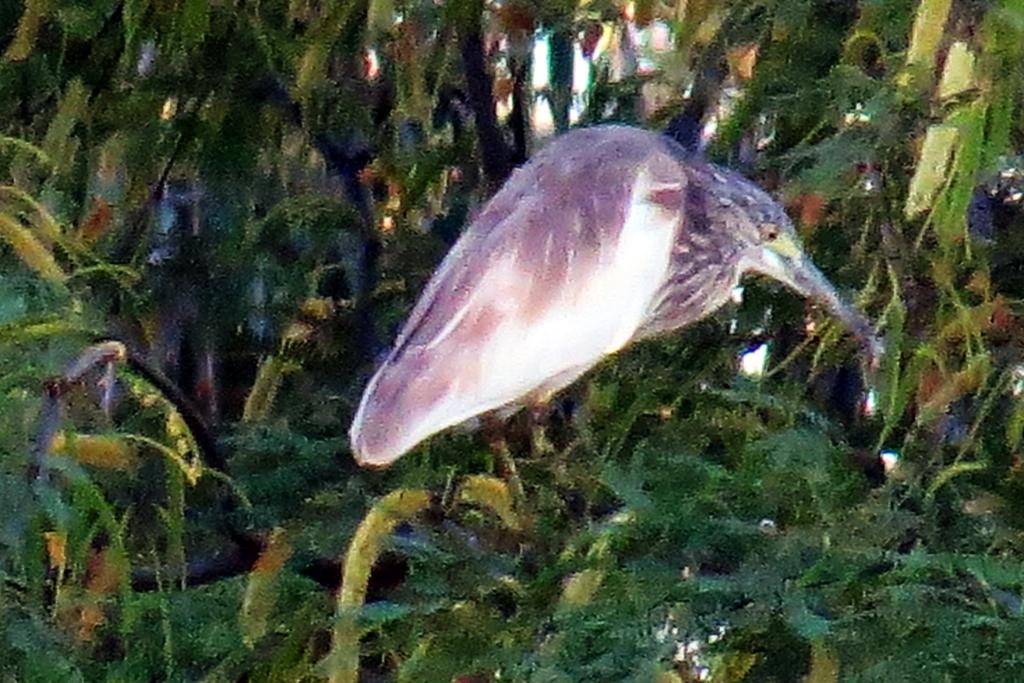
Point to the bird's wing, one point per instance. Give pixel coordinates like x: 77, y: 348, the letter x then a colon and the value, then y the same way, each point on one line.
x: 559, y: 270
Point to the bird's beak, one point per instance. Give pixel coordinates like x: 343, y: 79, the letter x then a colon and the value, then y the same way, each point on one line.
x: 786, y: 262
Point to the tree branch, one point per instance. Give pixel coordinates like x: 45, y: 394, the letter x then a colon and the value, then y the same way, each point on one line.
x: 494, y: 152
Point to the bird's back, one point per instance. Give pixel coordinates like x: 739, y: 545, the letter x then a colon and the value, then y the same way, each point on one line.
x: 559, y: 269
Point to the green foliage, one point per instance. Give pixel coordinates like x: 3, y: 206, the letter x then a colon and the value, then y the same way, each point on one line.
x: 209, y: 182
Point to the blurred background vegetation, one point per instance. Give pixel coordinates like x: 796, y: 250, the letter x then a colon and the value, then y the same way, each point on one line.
x: 248, y: 196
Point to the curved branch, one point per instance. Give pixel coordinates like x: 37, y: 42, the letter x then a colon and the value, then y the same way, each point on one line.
x: 205, y: 439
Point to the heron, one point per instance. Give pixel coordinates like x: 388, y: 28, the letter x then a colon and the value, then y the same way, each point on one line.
x: 608, y: 235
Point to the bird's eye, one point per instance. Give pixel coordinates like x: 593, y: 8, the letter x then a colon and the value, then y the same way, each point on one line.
x: 770, y: 232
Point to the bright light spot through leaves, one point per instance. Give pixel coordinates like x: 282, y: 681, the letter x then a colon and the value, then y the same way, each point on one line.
x: 890, y: 460
x: 754, y: 361
x: 870, y: 406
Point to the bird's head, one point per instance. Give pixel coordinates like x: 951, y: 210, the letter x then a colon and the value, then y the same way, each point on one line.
x: 769, y: 245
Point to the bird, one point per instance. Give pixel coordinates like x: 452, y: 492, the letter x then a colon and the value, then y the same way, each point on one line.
x: 608, y: 235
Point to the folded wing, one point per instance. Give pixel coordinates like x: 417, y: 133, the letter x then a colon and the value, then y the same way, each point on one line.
x: 559, y: 270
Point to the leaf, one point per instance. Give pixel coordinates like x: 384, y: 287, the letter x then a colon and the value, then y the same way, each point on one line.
x: 312, y: 69
x: 491, y: 493
x: 742, y: 59
x: 38, y: 216
x: 807, y: 625
x: 195, y: 21
x: 97, y: 222
x: 260, y: 597
x: 260, y: 400
x: 342, y: 663
x: 937, y: 390
x: 56, y: 549
x: 28, y: 148
x: 381, y: 612
x: 381, y: 16
x: 317, y: 307
x: 950, y: 215
x: 1000, y: 124
x: 581, y: 587
x: 173, y: 517
x: 957, y: 469
x: 668, y: 677
x: 107, y: 452
x: 992, y: 571
x: 824, y: 665
x: 930, y: 172
x: 929, y: 27
x: 628, y: 485
x: 958, y: 75
x: 33, y: 254
x: 179, y: 434
x: 133, y: 12
x: 106, y: 572
x: 58, y: 143
x: 734, y: 667
x: 1015, y: 425
x: 861, y: 44
x: 90, y: 618
x: 28, y: 26
x: 893, y: 393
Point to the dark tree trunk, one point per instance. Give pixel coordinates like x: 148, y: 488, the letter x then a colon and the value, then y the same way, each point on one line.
x: 494, y: 152
x: 560, y: 65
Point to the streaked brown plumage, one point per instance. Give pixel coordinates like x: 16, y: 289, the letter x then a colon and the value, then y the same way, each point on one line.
x: 608, y: 235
